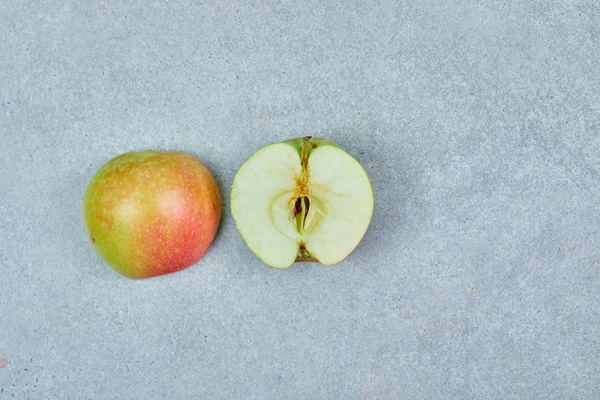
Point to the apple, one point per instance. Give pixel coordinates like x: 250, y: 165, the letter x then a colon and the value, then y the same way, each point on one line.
x: 152, y: 213
x: 303, y: 199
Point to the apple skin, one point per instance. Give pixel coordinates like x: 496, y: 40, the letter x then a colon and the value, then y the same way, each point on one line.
x: 152, y: 213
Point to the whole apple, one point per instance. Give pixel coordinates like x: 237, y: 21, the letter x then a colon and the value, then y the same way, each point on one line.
x: 152, y: 213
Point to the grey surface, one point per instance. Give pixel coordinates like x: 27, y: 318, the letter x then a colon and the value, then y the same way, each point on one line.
x: 478, y: 122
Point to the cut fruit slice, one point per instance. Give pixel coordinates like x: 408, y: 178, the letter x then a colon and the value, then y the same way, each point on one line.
x: 302, y: 200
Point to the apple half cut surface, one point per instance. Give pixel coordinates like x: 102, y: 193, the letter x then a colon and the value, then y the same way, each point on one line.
x: 303, y: 199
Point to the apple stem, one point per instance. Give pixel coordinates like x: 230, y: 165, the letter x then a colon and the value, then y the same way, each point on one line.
x: 304, y: 161
x: 302, y: 203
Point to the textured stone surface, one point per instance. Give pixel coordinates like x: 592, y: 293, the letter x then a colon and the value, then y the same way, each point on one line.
x: 479, y: 123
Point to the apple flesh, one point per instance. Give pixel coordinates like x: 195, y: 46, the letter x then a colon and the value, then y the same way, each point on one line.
x: 152, y: 213
x: 302, y: 199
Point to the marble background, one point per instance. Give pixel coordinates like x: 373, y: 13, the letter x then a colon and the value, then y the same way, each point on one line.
x: 478, y: 122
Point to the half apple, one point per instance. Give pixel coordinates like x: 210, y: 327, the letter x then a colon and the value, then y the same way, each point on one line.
x: 302, y: 199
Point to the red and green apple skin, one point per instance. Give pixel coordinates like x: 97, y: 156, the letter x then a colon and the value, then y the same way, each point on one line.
x: 152, y: 213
